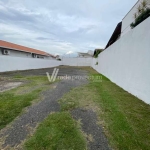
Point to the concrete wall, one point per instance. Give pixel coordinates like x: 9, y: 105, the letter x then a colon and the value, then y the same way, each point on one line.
x: 76, y: 61
x: 8, y: 63
x: 94, y: 64
x: 127, y: 62
x: 129, y: 18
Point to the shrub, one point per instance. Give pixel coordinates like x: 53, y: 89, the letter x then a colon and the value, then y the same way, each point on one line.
x: 96, y: 63
x: 97, y: 52
x: 144, y: 15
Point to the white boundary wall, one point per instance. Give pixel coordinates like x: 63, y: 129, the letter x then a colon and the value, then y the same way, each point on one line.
x: 76, y: 61
x: 8, y: 63
x: 127, y: 62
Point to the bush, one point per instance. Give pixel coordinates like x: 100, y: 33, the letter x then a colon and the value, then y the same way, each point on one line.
x: 97, y: 52
x: 144, y: 15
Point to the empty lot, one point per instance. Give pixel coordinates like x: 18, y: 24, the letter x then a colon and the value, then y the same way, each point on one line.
x: 76, y: 114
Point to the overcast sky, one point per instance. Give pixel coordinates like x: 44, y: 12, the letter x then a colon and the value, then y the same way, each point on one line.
x: 59, y: 26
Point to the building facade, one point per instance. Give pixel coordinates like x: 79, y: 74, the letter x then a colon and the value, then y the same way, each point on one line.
x: 125, y: 25
x: 14, y: 50
x: 130, y: 16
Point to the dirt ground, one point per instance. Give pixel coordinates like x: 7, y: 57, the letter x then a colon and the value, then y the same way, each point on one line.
x: 8, y: 85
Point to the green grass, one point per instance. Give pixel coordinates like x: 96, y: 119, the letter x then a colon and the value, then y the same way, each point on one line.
x: 58, y: 132
x: 125, y: 118
x: 12, y: 102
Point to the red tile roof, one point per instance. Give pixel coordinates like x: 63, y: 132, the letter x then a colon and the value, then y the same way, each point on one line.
x: 9, y: 45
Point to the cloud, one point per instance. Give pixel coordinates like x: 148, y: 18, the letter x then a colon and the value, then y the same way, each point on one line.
x: 61, y: 26
x: 42, y: 38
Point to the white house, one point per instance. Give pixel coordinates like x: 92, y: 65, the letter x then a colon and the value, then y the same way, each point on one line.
x: 89, y: 54
x: 14, y: 50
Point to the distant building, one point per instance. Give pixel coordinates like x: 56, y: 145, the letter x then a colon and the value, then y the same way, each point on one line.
x: 86, y: 55
x: 14, y: 50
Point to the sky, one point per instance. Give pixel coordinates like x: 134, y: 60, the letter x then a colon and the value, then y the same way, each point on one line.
x: 61, y: 26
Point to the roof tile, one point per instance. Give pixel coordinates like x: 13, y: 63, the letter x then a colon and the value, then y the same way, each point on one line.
x: 9, y: 45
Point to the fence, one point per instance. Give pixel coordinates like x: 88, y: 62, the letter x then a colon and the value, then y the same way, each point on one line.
x: 77, y: 61
x: 127, y: 62
x: 8, y: 63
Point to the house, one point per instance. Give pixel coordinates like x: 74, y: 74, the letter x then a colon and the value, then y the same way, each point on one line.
x: 14, y: 50
x: 115, y: 36
x: 86, y: 55
x: 124, y: 26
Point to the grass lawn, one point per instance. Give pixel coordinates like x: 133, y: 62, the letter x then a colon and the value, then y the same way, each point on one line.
x: 125, y: 118
x: 13, y: 101
x: 58, y: 132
